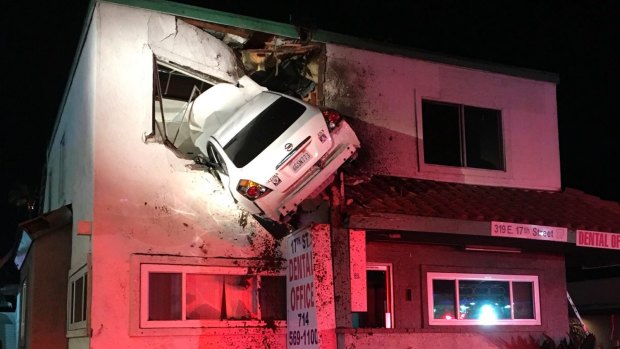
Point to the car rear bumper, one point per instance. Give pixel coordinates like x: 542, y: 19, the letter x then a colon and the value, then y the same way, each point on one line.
x: 346, y: 144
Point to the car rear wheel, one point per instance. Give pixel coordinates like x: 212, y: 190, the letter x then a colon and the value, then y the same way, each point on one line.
x: 276, y: 229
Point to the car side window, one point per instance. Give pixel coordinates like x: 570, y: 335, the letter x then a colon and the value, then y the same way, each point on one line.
x: 216, y: 158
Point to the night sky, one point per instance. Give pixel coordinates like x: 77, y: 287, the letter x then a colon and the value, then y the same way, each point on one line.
x: 578, y: 41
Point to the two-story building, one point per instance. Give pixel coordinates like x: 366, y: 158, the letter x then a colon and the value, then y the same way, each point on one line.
x: 450, y: 229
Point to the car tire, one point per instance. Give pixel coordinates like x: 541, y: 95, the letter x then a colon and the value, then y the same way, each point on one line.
x: 276, y: 229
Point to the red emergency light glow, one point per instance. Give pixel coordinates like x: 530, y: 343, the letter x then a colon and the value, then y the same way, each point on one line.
x: 252, y: 190
x: 332, y: 117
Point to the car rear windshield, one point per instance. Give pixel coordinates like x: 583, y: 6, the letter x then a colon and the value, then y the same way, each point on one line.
x: 263, y: 130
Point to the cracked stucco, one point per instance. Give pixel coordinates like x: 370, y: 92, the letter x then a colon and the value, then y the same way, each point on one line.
x: 186, y: 45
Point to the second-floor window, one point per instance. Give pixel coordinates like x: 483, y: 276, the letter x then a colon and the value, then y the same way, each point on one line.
x: 61, y: 172
x: 463, y: 136
x: 174, y: 90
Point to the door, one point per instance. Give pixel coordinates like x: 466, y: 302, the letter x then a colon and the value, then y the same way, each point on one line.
x: 380, y: 312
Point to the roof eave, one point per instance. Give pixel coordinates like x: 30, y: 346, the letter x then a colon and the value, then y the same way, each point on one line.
x: 48, y: 222
x: 404, y: 222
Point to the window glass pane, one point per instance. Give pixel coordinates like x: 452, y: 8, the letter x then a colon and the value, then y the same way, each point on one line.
x: 240, y: 291
x: 484, y: 300
x: 523, y: 297
x: 257, y: 135
x: 483, y: 138
x: 204, y: 296
x: 164, y: 296
x: 174, y: 120
x: 84, y: 300
x: 176, y: 85
x: 172, y: 92
x: 72, y: 304
x: 444, y: 299
x: 23, y: 312
x: 273, y: 297
x: 440, y: 124
x: 78, y: 300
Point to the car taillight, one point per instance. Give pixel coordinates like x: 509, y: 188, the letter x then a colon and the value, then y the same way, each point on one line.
x: 252, y: 190
x: 332, y: 117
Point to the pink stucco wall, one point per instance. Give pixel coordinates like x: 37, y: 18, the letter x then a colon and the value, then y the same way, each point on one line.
x: 384, y: 93
x: 147, y: 201
x: 411, y: 262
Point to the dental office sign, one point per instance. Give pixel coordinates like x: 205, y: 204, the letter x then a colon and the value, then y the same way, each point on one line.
x: 301, y: 318
x: 529, y: 231
x: 597, y: 239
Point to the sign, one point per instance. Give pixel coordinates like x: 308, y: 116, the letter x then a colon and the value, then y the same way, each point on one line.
x: 598, y: 239
x: 529, y: 231
x: 301, y: 299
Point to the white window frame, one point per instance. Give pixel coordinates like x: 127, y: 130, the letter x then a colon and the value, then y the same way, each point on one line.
x: 82, y: 272
x: 161, y: 133
x: 24, y: 298
x: 387, y: 267
x: 430, y: 276
x: 459, y: 171
x: 61, y: 172
x: 145, y: 269
x: 48, y: 189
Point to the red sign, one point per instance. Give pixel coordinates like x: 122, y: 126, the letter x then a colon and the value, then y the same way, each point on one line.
x: 598, y: 239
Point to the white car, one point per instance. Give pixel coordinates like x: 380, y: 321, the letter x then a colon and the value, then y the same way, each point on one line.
x: 274, y: 151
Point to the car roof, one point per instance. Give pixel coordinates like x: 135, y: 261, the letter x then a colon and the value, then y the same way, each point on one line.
x: 246, y: 113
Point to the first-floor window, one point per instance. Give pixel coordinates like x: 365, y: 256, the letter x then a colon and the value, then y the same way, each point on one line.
x: 23, y: 313
x: 198, y: 296
x: 78, y: 299
x: 483, y: 299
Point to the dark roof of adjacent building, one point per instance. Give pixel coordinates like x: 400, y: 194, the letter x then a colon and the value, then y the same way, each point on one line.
x: 386, y: 196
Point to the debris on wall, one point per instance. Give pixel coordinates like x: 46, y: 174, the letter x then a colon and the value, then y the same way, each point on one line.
x: 192, y: 56
x: 188, y: 46
x: 346, y: 88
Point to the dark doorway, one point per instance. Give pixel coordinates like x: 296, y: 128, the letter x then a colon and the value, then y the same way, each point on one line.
x: 379, y: 298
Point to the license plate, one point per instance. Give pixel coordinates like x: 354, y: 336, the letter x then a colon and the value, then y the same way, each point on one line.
x: 300, y: 161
